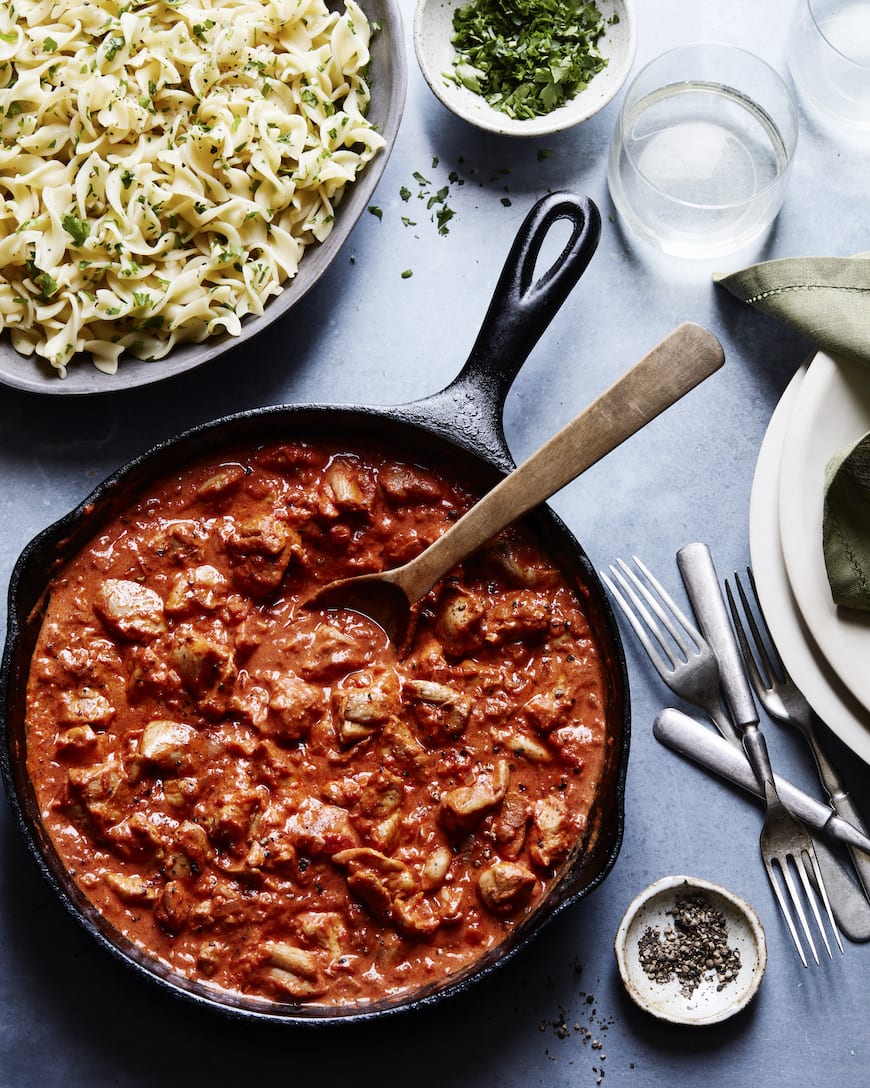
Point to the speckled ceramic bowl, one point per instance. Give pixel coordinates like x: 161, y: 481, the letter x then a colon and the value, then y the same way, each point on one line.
x: 710, y: 1001
x: 433, y: 34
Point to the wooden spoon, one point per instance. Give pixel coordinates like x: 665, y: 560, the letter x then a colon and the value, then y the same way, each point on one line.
x: 683, y: 359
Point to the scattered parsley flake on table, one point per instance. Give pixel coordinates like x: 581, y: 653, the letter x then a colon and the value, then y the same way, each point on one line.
x: 527, y: 57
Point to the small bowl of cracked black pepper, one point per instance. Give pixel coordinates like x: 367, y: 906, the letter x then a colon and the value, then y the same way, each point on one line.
x: 690, y: 952
x: 523, y: 68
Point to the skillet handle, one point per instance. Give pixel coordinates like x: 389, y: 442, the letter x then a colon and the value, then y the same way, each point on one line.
x: 522, y: 307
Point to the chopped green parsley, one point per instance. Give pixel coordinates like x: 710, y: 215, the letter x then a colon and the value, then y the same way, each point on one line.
x: 527, y: 57
x: 77, y: 229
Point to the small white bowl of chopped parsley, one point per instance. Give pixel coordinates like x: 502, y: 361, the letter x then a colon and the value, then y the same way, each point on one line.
x: 525, y: 67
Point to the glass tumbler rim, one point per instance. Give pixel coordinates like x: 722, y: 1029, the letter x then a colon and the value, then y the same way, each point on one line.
x: 810, y: 6
x: 789, y: 138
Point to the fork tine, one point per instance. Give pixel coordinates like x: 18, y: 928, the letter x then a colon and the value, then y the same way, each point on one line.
x: 811, y: 899
x: 758, y: 682
x: 776, y: 662
x: 783, y: 906
x: 764, y: 645
x: 662, y: 666
x: 820, y: 885
x: 798, y: 905
x: 628, y: 580
x: 642, y: 597
x: 668, y: 620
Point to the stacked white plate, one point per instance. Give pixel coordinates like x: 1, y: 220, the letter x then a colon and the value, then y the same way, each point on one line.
x: 826, y: 649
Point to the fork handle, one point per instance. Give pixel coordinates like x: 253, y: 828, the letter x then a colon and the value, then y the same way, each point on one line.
x: 702, y: 583
x: 845, y: 807
x: 841, y: 799
x: 828, y: 774
x: 755, y: 747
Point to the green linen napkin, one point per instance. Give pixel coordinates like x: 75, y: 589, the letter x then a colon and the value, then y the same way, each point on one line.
x: 846, y: 525
x: 825, y: 298
x: 828, y: 300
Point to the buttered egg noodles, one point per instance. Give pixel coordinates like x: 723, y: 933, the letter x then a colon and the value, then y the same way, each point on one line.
x: 164, y: 165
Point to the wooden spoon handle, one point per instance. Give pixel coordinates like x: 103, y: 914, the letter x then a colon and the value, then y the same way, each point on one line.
x: 683, y: 359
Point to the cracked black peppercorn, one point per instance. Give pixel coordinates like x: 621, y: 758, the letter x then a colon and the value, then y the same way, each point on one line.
x: 694, y: 949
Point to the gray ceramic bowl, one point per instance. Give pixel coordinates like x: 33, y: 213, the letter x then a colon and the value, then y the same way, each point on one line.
x: 388, y: 81
x: 433, y: 33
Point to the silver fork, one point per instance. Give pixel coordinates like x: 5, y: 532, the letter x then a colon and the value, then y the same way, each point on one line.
x: 782, y: 699
x: 688, y: 673
x: 685, y: 662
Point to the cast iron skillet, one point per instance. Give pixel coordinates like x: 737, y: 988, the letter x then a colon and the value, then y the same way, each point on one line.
x: 462, y: 423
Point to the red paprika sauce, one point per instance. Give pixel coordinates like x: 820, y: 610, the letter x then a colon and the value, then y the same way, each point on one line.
x: 269, y: 798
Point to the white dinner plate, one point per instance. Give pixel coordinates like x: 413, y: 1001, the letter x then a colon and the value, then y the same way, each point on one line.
x: 832, y: 410
x: 828, y: 696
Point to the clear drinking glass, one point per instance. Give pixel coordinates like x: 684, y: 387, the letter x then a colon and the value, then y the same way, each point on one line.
x: 702, y: 150
x: 828, y: 55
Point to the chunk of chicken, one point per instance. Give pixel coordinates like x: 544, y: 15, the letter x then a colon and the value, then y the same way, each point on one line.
x: 509, y: 825
x: 506, y: 886
x: 295, y: 707
x: 463, y: 807
x: 194, y: 842
x: 549, y: 709
x: 130, y: 610
x: 152, y: 674
x: 381, y: 796
x: 294, y: 971
x: 260, y: 549
x: 361, y: 710
x: 407, y: 483
x: 522, y: 565
x: 250, y: 700
x: 401, y: 747
x: 386, y: 834
x: 173, y: 906
x: 80, y: 738
x: 98, y: 783
x: 198, y: 588
x: 330, y: 653
x: 180, y: 542
x: 224, y: 482
x: 180, y: 792
x: 436, y: 867
x: 347, y: 484
x: 132, y: 889
x: 85, y: 707
x: 377, y: 879
x: 523, y: 745
x: 167, y: 744
x: 458, y: 624
x: 317, y: 828
x: 572, y: 742
x: 553, y: 831
x: 520, y: 615
x: 322, y: 929
x: 231, y: 821
x: 207, y: 669
x: 441, y: 712
x: 416, y: 915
